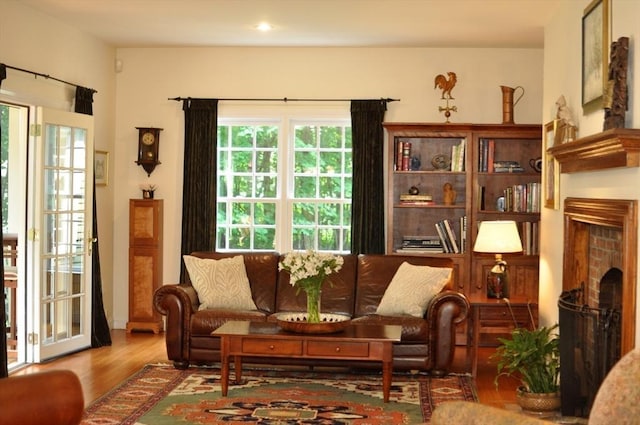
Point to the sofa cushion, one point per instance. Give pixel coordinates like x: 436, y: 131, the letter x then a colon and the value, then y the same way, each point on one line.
x: 411, y: 289
x: 220, y: 283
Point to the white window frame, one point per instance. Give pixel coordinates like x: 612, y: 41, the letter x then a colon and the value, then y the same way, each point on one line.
x: 286, y: 118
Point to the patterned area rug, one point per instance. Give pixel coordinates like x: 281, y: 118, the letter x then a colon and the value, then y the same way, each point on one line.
x: 160, y: 394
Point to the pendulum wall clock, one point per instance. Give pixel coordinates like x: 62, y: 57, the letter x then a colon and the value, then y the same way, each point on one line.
x: 148, y: 148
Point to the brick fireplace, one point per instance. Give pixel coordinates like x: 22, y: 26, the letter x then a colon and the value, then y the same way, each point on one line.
x: 597, y: 306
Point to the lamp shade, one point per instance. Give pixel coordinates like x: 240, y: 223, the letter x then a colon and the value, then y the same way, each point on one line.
x: 498, y: 237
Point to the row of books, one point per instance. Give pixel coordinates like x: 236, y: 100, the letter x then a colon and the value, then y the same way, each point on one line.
x: 403, y: 157
x: 529, y: 235
x: 523, y: 197
x: 404, y: 161
x: 457, y: 155
x: 488, y: 164
x: 446, y: 239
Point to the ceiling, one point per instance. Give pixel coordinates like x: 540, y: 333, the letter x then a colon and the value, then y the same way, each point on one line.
x: 375, y: 23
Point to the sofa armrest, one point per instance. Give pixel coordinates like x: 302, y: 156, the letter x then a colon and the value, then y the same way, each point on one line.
x: 177, y: 303
x: 445, y: 311
x: 469, y: 413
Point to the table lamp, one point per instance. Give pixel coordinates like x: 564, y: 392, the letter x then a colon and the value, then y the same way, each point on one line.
x: 498, y: 237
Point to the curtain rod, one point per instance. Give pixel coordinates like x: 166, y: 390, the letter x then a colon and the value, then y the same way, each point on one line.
x: 284, y: 99
x: 48, y: 77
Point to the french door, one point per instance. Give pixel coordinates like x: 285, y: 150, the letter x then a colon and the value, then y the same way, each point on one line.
x: 59, y: 234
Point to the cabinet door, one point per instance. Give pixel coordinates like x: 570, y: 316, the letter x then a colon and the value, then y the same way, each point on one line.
x: 145, y: 269
x: 522, y: 272
x: 145, y: 221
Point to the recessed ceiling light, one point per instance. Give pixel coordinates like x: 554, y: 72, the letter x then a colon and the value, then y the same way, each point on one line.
x: 264, y: 26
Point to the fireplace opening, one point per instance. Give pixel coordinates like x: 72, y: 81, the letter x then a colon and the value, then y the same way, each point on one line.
x: 589, y: 346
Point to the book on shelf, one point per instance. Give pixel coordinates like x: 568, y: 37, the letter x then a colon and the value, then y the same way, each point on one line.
x: 406, y: 156
x: 417, y: 203
x: 507, y: 167
x: 490, y: 156
x: 421, y: 241
x: 486, y: 153
x: 463, y: 233
x: 410, y: 197
x: 426, y: 250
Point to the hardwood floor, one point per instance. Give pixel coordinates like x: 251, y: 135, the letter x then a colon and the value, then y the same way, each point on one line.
x: 103, y: 368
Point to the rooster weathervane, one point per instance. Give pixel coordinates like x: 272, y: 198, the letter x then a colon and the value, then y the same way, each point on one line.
x: 446, y: 85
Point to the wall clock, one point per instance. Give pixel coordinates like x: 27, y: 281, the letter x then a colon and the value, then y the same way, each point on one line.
x: 148, y: 148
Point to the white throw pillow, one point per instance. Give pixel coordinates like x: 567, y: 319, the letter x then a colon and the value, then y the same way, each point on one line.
x: 411, y: 289
x: 220, y: 283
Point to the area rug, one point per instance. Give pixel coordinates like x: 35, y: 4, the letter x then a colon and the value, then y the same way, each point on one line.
x: 163, y: 395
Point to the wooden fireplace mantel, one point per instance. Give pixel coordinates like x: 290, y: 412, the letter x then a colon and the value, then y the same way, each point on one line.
x: 617, y: 147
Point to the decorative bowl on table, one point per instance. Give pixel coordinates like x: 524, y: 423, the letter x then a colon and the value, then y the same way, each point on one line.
x: 297, y: 322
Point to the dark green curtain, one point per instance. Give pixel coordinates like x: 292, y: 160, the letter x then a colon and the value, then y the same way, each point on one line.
x: 4, y: 367
x: 367, y: 203
x: 100, y: 334
x: 199, y: 189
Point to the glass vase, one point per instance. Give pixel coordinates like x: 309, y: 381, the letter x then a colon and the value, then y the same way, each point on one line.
x: 313, y: 305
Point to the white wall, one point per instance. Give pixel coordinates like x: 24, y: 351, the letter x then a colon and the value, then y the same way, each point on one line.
x: 137, y: 96
x: 33, y: 41
x: 562, y: 75
x: 151, y: 76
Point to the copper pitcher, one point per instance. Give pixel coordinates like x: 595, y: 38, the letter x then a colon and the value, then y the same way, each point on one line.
x: 508, y: 103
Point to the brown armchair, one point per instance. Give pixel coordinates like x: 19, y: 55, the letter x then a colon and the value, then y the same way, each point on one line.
x: 52, y: 398
x: 616, y: 402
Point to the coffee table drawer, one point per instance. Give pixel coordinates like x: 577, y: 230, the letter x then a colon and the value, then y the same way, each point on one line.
x: 333, y: 348
x: 271, y: 346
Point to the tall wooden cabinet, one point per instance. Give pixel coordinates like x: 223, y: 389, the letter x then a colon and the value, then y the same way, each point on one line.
x: 482, y: 192
x: 145, y: 263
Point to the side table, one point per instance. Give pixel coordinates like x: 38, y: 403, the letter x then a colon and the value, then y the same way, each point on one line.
x: 496, y: 316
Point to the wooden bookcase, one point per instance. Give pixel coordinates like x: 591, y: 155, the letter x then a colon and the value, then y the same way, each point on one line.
x: 145, y: 263
x: 477, y: 192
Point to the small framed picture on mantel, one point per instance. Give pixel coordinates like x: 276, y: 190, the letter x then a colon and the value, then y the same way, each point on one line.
x: 550, y: 168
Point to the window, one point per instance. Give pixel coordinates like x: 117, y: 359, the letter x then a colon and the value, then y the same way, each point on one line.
x: 284, y: 187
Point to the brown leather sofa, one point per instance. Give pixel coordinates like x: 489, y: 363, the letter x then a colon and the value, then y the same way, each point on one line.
x: 53, y: 398
x: 427, y: 342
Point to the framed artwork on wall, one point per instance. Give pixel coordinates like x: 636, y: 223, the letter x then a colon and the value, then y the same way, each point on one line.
x: 595, y: 53
x: 550, y: 168
x: 101, y: 168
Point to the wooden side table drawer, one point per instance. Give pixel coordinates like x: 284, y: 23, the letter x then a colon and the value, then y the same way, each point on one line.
x: 502, y: 313
x: 271, y: 347
x: 332, y: 348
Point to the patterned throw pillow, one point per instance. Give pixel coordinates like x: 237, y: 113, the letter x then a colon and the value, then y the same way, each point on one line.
x: 220, y: 283
x: 411, y: 289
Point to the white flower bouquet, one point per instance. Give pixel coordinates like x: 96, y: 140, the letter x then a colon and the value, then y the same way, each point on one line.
x: 308, y: 270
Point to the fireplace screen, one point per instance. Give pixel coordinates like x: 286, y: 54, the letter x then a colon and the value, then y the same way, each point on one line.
x: 589, y: 347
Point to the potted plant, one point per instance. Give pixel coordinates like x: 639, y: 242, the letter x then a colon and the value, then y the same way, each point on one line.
x: 533, y: 357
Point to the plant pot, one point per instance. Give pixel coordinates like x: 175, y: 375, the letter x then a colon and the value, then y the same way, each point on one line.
x: 543, y: 404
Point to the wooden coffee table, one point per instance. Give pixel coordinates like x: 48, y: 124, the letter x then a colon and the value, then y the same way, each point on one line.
x: 263, y: 339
